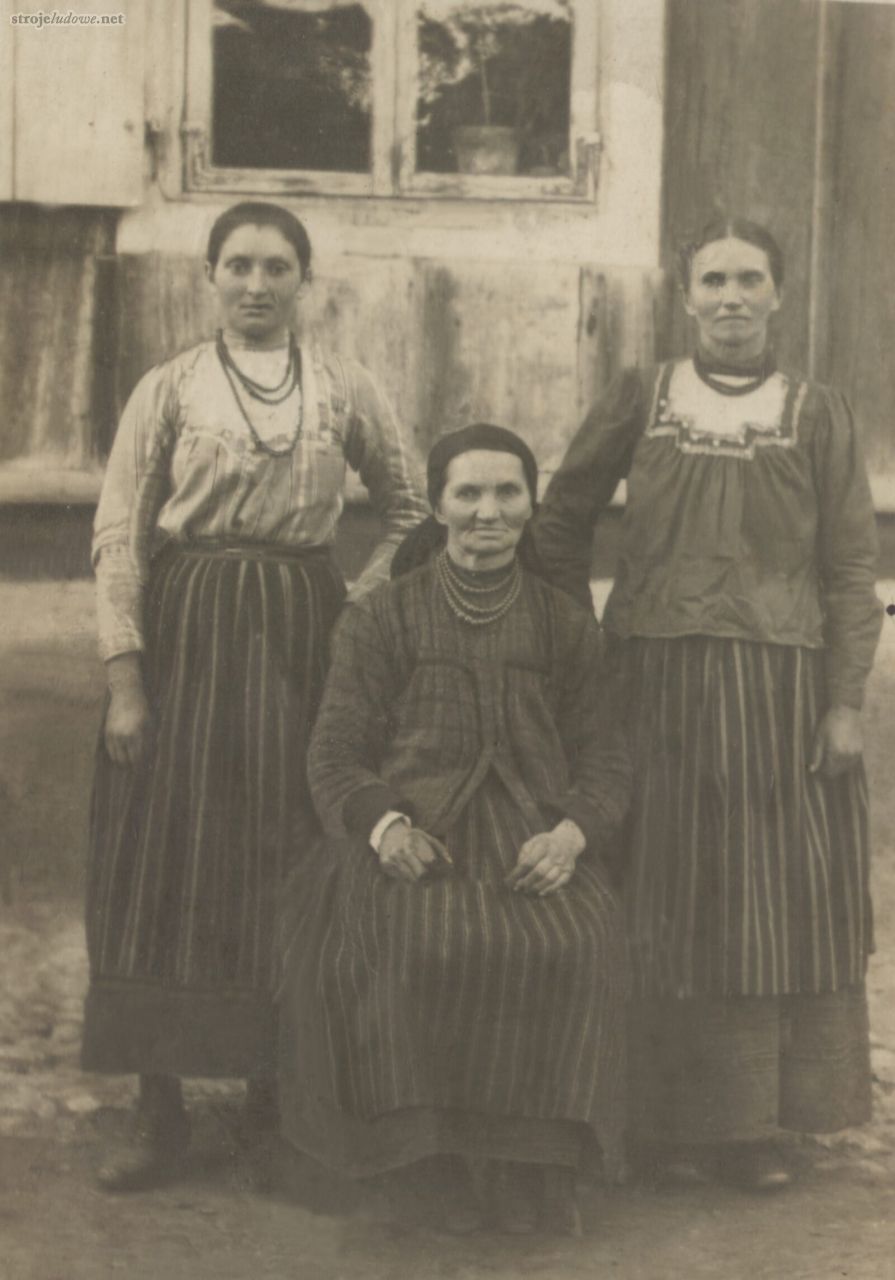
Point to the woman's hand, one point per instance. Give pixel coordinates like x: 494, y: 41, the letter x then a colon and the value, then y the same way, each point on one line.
x: 128, y: 716
x: 406, y: 853
x: 838, y: 742
x: 547, y: 861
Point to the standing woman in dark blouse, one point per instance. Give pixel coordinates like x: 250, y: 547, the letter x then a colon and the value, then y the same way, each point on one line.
x: 746, y: 622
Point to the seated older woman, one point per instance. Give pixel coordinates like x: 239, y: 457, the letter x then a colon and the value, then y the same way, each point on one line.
x: 455, y: 977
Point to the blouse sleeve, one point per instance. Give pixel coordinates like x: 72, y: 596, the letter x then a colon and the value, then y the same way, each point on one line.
x: 352, y: 726
x: 593, y: 733
x: 136, y: 483
x: 377, y: 448
x: 599, y: 456
x: 847, y: 553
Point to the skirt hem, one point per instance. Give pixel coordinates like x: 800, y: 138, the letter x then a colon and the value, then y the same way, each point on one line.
x: 145, y: 1029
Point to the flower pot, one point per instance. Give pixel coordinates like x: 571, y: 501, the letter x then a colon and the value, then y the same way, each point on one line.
x: 486, y: 148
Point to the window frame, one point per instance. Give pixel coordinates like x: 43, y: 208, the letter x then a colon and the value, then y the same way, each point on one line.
x: 584, y: 136
x: 394, y: 84
x: 201, y: 174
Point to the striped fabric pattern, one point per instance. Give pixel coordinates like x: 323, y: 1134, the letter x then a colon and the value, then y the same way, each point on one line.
x: 189, y: 851
x: 404, y: 1003
x: 748, y: 875
x: 454, y: 995
x: 184, y: 466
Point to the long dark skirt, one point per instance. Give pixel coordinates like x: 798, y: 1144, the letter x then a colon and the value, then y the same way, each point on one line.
x: 452, y: 1016
x: 189, y: 851
x: 747, y: 897
x: 705, y: 1071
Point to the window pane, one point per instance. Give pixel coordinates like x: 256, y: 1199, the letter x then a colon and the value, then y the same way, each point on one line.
x: 494, y: 87
x: 292, y: 85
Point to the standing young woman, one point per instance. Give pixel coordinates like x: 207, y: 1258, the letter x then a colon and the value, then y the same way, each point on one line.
x: 746, y: 620
x: 216, y: 595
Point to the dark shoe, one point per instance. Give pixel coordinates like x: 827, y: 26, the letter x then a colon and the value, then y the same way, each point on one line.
x: 561, y: 1215
x: 754, y: 1166
x: 517, y: 1193
x: 150, y: 1157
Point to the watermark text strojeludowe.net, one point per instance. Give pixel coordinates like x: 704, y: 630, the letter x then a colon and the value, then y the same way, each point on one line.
x: 66, y: 18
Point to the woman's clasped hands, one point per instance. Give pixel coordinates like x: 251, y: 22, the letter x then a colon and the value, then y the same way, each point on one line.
x: 546, y: 861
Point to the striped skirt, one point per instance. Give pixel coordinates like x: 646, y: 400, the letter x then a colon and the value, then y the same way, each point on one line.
x: 190, y: 850
x: 747, y: 898
x: 452, y: 1016
x: 746, y: 874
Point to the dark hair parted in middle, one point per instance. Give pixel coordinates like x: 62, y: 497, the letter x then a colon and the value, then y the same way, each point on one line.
x: 428, y: 538
x: 258, y: 213
x: 735, y: 228
x: 480, y: 435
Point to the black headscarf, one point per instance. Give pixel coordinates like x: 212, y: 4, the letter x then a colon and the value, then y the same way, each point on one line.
x: 429, y: 537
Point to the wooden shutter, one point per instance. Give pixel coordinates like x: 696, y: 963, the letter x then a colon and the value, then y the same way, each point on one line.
x: 77, y: 107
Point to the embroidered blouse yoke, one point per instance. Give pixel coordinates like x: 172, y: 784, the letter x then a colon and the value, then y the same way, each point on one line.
x: 184, y: 466
x: 747, y: 516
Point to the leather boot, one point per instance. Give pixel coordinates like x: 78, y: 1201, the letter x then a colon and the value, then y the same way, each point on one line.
x: 152, y: 1153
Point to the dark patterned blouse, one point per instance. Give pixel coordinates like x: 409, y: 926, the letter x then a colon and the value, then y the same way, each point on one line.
x: 747, y: 517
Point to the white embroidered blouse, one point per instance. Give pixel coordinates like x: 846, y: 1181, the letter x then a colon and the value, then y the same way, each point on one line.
x: 184, y: 466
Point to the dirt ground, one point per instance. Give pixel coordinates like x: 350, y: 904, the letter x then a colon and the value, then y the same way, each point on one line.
x: 215, y: 1224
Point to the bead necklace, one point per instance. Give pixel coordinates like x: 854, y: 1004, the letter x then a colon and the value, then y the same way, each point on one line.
x: 457, y: 592
x: 268, y: 396
x: 750, y: 379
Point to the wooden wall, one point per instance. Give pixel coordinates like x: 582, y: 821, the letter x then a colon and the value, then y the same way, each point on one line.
x: 53, y: 379
x: 520, y: 343
x: 858, y: 282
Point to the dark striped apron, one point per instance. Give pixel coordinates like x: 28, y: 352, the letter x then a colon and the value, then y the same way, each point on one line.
x: 747, y: 897
x: 453, y: 1016
x: 189, y: 851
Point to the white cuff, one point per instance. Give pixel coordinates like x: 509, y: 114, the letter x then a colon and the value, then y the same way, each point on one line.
x: 387, y: 820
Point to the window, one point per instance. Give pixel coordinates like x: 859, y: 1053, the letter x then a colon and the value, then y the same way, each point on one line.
x: 473, y: 98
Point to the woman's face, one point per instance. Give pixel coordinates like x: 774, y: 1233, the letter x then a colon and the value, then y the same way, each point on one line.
x: 732, y: 296
x: 257, y: 280
x: 484, y: 507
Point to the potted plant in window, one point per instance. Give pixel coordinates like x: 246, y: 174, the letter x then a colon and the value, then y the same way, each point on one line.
x: 494, y: 74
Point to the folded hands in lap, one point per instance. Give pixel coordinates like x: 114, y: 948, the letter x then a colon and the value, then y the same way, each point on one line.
x: 546, y: 861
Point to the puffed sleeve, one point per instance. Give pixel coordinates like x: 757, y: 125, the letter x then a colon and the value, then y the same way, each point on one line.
x: 378, y: 449
x: 599, y: 456
x: 352, y: 726
x: 848, y: 550
x: 593, y: 731
x: 136, y: 483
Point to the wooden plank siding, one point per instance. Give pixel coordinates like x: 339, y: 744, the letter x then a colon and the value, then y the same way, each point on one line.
x: 740, y: 121
x: 78, y: 107
x: 451, y: 342
x: 859, y: 270
x: 49, y: 282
